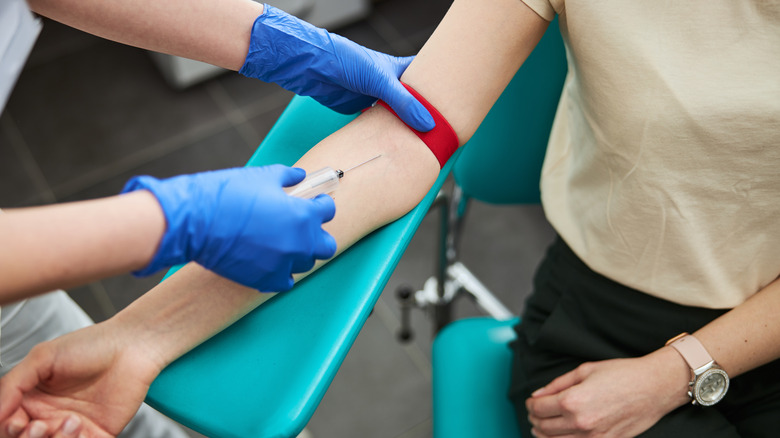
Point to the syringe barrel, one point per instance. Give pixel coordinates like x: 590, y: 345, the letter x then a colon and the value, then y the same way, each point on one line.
x: 325, y: 180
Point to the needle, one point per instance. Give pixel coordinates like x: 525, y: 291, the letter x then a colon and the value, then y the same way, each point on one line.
x: 325, y: 180
x: 341, y: 172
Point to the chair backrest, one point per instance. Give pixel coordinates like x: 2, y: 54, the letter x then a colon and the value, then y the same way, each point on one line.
x: 502, y: 162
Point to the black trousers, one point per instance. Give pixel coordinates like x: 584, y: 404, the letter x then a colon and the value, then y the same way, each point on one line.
x: 576, y: 315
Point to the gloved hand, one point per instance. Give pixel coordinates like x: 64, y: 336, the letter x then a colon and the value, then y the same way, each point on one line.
x: 335, y: 71
x: 240, y: 224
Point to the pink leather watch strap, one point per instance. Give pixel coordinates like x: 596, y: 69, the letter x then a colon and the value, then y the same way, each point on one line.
x: 691, y: 350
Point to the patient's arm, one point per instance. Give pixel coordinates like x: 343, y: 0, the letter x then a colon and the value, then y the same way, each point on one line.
x: 461, y: 70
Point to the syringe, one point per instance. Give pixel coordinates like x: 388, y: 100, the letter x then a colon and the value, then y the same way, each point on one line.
x: 325, y: 180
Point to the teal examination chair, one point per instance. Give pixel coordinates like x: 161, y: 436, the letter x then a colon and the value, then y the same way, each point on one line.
x: 265, y: 375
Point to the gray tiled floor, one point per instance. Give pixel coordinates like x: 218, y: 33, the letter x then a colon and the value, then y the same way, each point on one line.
x: 87, y: 114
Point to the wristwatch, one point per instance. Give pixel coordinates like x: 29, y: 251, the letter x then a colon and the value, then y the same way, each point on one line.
x: 709, y: 382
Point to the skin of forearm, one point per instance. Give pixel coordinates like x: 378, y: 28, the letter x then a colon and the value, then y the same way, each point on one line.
x: 742, y: 339
x: 216, y: 32
x: 747, y: 336
x: 194, y: 304
x: 64, y: 245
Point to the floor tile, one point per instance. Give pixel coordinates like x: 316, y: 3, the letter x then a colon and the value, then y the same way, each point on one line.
x: 422, y: 430
x: 17, y: 185
x: 124, y: 289
x: 221, y: 150
x: 87, y: 297
x: 378, y: 392
x: 408, y: 17
x: 249, y: 92
x: 96, y: 106
x: 258, y: 125
x: 57, y: 40
x: 502, y: 246
x: 366, y: 35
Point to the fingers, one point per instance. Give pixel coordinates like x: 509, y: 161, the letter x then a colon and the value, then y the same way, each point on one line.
x: 409, y: 109
x: 70, y: 428
x: 285, y: 285
x: 390, y: 89
x: 544, y: 407
x: 21, y: 379
x: 36, y: 429
x: 349, y: 103
x: 324, y: 247
x: 557, y: 427
x: 15, y: 424
x: 291, y: 176
x: 302, y: 265
x: 546, y: 414
x: 400, y: 63
x: 560, y: 383
x: 324, y: 207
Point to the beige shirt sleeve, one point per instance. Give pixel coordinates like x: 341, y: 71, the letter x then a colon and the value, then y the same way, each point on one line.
x: 546, y: 9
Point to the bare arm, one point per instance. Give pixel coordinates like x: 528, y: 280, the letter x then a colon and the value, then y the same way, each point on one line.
x: 216, y: 32
x: 747, y: 336
x: 70, y: 240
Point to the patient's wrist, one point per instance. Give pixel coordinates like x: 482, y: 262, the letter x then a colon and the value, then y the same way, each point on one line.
x: 132, y: 334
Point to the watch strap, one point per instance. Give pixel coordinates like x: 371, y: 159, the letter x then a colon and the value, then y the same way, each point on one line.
x: 691, y: 350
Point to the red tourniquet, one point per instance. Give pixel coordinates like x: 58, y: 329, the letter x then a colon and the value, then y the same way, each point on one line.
x: 441, y: 140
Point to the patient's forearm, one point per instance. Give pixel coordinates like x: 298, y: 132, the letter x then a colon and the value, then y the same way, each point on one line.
x: 194, y: 303
x: 454, y: 74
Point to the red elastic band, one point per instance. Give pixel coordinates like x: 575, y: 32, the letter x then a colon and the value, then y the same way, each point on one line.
x: 441, y: 140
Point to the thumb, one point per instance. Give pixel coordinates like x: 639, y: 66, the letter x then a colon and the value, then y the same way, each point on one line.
x: 409, y: 109
x: 324, y: 207
x: 21, y: 379
x: 400, y: 63
x: 291, y: 176
x: 559, y: 384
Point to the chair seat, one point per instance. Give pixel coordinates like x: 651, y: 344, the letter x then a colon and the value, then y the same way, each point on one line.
x: 471, y: 372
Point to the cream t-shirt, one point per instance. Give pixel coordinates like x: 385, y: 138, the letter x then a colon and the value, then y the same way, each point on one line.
x: 663, y: 166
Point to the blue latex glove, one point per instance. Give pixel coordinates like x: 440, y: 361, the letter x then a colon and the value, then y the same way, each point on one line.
x: 240, y: 224
x: 335, y: 71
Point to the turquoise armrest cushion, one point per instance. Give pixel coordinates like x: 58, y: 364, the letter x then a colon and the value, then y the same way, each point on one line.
x: 471, y: 371
x: 265, y: 375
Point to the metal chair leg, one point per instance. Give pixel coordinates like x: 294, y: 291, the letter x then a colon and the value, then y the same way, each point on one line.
x: 452, y: 278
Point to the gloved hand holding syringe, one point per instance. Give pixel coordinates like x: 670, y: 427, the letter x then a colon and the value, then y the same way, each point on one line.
x: 325, y: 180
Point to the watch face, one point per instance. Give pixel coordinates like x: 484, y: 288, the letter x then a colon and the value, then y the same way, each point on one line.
x: 711, y: 387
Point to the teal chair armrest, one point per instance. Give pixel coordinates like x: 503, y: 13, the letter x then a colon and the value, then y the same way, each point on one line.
x: 265, y: 375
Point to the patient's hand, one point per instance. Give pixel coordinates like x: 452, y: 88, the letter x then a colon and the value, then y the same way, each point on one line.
x: 90, y: 381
